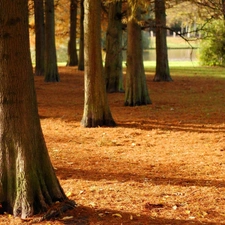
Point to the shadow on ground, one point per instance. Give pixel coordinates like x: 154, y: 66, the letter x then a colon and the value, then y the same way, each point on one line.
x: 86, y: 216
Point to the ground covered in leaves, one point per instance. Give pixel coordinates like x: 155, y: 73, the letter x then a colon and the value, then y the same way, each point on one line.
x: 163, y: 164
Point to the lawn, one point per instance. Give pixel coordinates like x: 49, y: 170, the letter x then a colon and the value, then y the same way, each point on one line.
x: 164, y: 163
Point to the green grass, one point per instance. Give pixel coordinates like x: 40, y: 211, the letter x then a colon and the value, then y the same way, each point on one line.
x: 189, y: 69
x: 150, y: 64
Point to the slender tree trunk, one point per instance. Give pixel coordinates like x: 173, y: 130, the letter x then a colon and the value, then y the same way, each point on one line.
x: 81, y: 43
x: 51, y: 69
x: 162, y: 65
x: 113, y: 62
x: 223, y: 9
x: 28, y: 184
x: 72, y: 46
x: 136, y: 92
x: 96, y: 108
x: 39, y: 37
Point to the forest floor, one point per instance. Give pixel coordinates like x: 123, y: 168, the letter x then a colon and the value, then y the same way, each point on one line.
x: 164, y: 163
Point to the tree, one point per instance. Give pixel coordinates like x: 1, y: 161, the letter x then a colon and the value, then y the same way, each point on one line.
x: 51, y: 69
x: 39, y: 37
x: 81, y: 43
x: 28, y: 183
x: 96, y: 108
x: 72, y: 46
x: 162, y: 65
x: 136, y: 91
x: 113, y: 61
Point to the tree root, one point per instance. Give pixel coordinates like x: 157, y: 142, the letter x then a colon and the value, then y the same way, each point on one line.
x: 58, y: 209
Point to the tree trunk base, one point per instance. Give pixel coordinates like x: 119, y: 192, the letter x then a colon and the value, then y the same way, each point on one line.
x: 56, y: 211
x: 164, y: 78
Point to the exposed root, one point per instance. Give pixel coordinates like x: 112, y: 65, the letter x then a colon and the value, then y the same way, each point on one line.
x: 58, y: 209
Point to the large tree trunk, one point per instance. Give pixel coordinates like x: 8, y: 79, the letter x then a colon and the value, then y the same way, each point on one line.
x: 162, y: 65
x: 39, y: 37
x: 72, y: 46
x: 96, y: 108
x: 51, y: 69
x: 28, y: 183
x: 136, y: 92
x: 113, y: 61
x: 81, y: 44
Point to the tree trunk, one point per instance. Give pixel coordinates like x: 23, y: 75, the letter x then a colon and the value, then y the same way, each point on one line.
x: 223, y: 8
x: 72, y: 46
x: 51, y: 69
x: 28, y: 183
x: 113, y: 62
x: 162, y: 65
x: 81, y: 44
x: 136, y: 88
x: 96, y: 108
x: 39, y: 37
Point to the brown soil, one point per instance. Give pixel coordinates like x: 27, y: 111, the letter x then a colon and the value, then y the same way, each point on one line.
x: 163, y: 164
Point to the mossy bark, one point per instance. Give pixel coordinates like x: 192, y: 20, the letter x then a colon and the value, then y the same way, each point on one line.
x: 162, y: 65
x: 136, y: 91
x: 96, y: 108
x: 51, y: 68
x: 113, y: 60
x: 28, y: 183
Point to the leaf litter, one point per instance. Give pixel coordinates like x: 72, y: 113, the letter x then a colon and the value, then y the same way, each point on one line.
x: 158, y: 166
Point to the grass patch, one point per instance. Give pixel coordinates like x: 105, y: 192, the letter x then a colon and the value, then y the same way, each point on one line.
x: 189, y: 69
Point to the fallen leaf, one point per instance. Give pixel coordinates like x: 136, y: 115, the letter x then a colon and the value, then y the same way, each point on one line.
x: 191, y: 217
x: 174, y: 207
x: 67, y: 218
x: 117, y: 215
x: 101, y: 214
x: 187, y: 211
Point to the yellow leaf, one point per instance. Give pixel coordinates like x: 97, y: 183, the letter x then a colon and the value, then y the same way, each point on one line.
x: 68, y: 194
x: 116, y: 215
x: 67, y: 218
x: 187, y: 211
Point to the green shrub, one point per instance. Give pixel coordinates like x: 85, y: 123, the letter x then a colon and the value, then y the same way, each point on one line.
x: 212, y: 48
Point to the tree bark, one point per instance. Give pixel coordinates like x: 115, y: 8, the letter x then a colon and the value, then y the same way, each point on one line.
x: 136, y: 92
x: 28, y: 183
x: 162, y: 65
x: 51, y: 68
x: 81, y: 43
x: 96, y: 109
x: 39, y: 37
x: 72, y: 46
x: 113, y: 62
